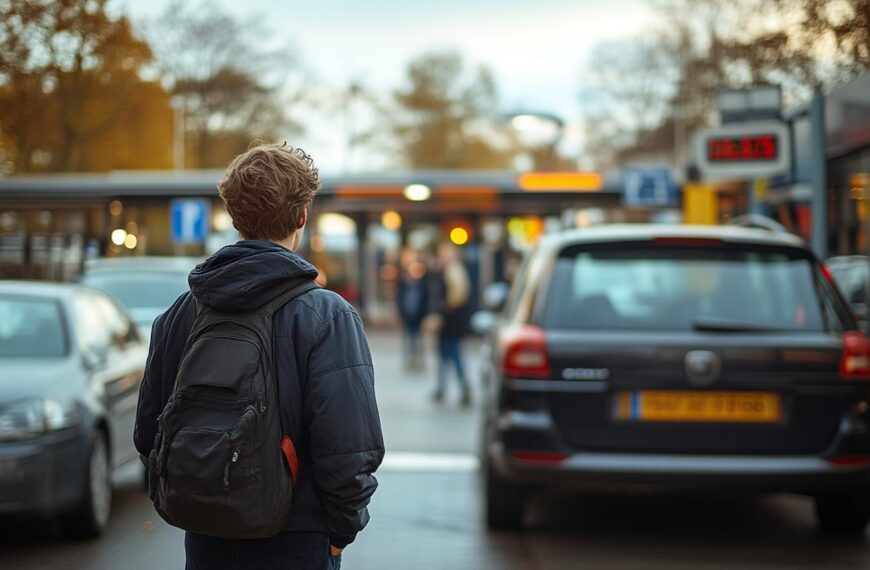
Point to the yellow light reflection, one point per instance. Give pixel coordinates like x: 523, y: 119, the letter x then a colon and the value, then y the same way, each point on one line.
x: 560, y: 181
x: 391, y: 220
x: 459, y: 236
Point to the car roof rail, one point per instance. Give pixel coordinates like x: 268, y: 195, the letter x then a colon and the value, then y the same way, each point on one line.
x: 757, y: 221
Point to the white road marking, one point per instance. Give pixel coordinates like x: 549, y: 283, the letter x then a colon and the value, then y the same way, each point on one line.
x: 428, y: 461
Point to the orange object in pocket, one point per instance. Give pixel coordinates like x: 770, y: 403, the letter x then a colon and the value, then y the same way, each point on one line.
x: 289, y: 450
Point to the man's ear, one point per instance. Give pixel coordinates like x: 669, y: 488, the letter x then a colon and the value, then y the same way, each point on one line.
x: 303, y: 219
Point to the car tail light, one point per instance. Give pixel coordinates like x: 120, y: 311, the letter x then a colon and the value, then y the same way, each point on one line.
x: 540, y: 457
x: 525, y: 353
x: 855, y: 362
x: 849, y: 460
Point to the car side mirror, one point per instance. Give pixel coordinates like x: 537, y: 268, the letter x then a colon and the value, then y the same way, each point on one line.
x: 94, y: 358
x: 483, y: 322
x: 495, y: 295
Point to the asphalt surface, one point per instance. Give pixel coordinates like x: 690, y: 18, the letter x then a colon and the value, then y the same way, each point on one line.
x: 427, y: 513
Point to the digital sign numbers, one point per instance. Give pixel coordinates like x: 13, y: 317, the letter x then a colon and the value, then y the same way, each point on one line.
x: 754, y: 148
x: 743, y: 151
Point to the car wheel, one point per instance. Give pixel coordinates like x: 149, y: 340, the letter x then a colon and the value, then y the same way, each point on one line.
x: 505, y: 502
x: 88, y: 519
x: 843, y: 512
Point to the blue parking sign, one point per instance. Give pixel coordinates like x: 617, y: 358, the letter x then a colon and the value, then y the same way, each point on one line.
x: 190, y: 220
x: 649, y: 187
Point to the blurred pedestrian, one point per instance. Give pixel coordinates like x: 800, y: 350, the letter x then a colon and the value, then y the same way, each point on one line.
x: 258, y: 410
x: 452, y: 305
x: 413, y: 301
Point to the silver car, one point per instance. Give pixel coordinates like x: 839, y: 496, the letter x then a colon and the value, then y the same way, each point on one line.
x: 71, y: 362
x: 146, y: 286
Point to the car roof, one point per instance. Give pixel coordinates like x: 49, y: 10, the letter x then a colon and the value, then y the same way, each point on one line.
x: 641, y: 232
x: 142, y: 263
x: 847, y: 260
x: 39, y: 289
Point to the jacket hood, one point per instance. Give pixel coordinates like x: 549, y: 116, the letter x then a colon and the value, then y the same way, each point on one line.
x: 246, y: 275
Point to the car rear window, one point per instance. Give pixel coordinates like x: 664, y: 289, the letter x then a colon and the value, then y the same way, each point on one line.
x: 681, y: 288
x: 31, y: 327
x: 140, y: 289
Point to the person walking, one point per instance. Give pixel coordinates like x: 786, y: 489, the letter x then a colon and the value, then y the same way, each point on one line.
x: 452, y: 306
x: 257, y: 416
x: 413, y: 303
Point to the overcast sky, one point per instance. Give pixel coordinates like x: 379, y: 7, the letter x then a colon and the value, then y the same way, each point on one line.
x: 537, y: 49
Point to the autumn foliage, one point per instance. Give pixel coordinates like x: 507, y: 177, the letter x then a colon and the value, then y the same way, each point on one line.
x: 82, y: 90
x: 73, y: 91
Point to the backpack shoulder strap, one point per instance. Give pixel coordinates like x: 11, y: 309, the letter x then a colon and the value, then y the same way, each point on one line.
x: 300, y: 287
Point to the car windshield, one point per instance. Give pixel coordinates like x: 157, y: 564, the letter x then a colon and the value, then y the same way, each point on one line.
x: 681, y: 289
x: 140, y: 290
x: 31, y: 327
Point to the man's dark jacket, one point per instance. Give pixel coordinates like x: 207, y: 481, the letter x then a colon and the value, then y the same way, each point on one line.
x: 324, y: 372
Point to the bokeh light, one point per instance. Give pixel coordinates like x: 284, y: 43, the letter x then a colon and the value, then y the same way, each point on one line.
x: 118, y: 236
x: 391, y: 220
x: 417, y: 192
x: 459, y: 236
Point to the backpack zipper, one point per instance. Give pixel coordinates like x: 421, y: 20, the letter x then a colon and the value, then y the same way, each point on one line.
x: 234, y: 459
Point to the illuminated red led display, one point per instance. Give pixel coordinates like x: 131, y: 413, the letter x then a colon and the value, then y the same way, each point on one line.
x: 755, y: 148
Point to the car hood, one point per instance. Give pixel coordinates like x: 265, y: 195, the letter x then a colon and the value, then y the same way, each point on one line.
x: 34, y: 377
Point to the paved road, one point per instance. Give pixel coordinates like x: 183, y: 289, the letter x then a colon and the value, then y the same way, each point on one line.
x: 427, y: 514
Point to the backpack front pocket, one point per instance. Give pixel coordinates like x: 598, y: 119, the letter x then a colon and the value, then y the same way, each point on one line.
x: 200, y: 461
x: 221, y: 364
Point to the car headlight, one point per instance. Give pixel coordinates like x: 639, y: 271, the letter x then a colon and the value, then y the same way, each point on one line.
x: 23, y: 420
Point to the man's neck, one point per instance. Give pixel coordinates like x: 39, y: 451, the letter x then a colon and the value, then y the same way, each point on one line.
x: 286, y: 243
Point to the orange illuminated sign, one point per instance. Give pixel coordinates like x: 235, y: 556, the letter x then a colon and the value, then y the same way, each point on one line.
x: 560, y: 181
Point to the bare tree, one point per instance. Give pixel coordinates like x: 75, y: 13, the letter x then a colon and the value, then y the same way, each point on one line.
x: 704, y: 46
x: 444, y: 115
x: 231, y: 89
x: 626, y: 91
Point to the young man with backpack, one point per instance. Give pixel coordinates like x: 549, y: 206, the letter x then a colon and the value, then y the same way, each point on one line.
x: 257, y: 416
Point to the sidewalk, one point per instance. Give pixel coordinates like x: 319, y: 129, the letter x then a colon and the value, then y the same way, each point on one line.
x: 427, y: 510
x: 411, y: 421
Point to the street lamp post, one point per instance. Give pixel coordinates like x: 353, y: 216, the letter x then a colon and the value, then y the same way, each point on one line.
x: 540, y: 132
x: 177, y: 105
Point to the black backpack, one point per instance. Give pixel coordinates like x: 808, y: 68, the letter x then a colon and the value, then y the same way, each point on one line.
x: 217, y: 467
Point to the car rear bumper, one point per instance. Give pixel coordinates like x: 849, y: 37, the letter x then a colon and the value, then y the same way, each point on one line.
x: 751, y: 473
x: 43, y: 476
x: 527, y: 449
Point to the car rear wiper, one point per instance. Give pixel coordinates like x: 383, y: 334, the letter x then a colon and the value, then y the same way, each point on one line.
x: 712, y: 324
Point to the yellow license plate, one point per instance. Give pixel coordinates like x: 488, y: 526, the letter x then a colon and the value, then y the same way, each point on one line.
x: 667, y: 406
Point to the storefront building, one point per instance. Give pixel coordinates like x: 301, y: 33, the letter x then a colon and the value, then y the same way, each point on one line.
x: 50, y: 224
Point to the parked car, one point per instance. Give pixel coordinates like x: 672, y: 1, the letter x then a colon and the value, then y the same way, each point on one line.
x: 852, y: 275
x: 146, y: 286
x: 71, y: 362
x: 713, y: 359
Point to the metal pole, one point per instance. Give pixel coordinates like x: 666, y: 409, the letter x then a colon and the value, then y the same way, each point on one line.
x: 177, y: 104
x: 818, y: 176
x: 365, y: 265
x: 679, y: 142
